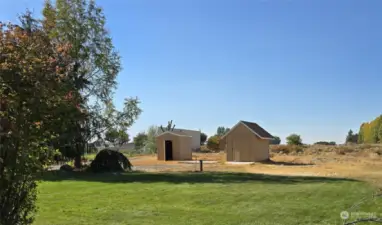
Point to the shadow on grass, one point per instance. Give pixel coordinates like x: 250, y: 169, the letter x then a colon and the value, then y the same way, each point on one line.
x: 281, y: 163
x: 185, y: 177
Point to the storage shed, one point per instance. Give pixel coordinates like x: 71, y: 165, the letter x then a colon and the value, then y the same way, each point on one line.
x: 195, y: 134
x: 173, y: 146
x: 246, y: 142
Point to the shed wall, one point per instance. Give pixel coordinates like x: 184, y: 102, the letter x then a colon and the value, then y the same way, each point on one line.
x: 195, y: 134
x: 181, y: 147
x: 243, y: 146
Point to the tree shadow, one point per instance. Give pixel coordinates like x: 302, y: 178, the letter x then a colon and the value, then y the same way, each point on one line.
x: 282, y: 163
x: 184, y: 177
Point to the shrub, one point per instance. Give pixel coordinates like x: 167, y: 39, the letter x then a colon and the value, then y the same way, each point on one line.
x: 213, y: 143
x: 378, y: 151
x: 66, y: 168
x: 286, y: 149
x: 342, y: 150
x: 294, y: 139
x: 110, y: 161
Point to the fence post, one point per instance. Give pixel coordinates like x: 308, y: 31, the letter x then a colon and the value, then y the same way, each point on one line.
x: 201, y: 165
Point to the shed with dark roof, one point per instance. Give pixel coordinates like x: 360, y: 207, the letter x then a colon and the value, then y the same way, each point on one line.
x: 246, y: 142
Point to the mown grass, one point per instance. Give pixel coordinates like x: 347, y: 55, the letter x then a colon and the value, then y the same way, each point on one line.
x: 196, y: 198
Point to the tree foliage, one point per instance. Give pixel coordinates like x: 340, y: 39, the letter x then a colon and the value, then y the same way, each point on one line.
x: 117, y: 137
x: 213, y: 143
x: 352, y: 137
x: 150, y: 142
x: 371, y: 132
x: 294, y: 139
x: 275, y: 141
x: 222, y: 131
x: 203, y: 138
x: 57, y: 78
x: 81, y: 24
x: 34, y: 73
x: 140, y: 140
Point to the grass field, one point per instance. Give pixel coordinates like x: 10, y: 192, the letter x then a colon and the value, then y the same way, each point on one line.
x: 197, y: 198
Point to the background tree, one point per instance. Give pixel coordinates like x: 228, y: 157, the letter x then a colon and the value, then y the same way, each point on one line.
x: 213, y: 143
x: 275, y: 141
x: 123, y: 137
x: 33, y: 82
x: 369, y: 132
x: 111, y: 135
x: 351, y: 137
x: 361, y: 134
x: 139, y: 140
x: 117, y: 137
x: 81, y: 24
x: 221, y: 131
x: 294, y: 139
x: 170, y: 126
x: 203, y: 138
x: 150, y: 142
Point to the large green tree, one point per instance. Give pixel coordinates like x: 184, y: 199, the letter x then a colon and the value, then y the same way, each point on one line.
x: 81, y: 24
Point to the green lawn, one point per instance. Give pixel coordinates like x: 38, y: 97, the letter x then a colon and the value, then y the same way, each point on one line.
x: 197, y: 198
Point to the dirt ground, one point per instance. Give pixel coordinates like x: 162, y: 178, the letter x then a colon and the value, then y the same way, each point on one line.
x: 358, y: 164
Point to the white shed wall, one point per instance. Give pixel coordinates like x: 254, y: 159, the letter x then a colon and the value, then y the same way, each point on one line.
x: 195, y: 134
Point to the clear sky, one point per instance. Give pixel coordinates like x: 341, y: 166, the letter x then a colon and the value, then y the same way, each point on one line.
x: 293, y: 66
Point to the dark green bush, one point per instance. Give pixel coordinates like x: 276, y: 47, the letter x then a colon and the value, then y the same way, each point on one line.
x: 66, y: 168
x: 110, y: 161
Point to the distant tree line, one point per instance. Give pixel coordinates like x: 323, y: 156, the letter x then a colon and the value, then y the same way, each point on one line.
x: 371, y: 132
x: 325, y: 143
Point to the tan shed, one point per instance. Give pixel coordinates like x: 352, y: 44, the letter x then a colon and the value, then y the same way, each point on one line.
x: 172, y: 146
x: 246, y: 142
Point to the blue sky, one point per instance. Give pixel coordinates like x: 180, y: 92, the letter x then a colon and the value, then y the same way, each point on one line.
x: 293, y: 66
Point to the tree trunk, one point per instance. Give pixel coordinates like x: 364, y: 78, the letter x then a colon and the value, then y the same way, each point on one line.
x: 77, y: 162
x: 77, y: 159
